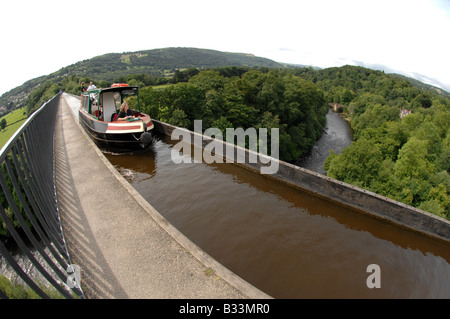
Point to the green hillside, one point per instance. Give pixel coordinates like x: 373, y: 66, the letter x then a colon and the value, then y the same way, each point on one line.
x: 160, y: 61
x: 13, y: 121
x: 155, y: 63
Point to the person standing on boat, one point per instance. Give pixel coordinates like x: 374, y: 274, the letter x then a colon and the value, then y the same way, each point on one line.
x: 83, y: 89
x: 91, y: 86
x: 124, y: 112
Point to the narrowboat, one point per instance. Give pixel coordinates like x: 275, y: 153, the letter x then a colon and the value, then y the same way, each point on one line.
x: 98, y: 116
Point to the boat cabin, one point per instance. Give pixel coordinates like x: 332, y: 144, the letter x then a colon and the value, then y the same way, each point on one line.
x: 104, y: 104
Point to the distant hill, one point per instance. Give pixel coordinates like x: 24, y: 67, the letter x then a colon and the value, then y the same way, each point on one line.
x: 157, y: 62
x: 424, y: 86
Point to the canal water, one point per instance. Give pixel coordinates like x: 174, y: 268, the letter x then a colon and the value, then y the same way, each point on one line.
x: 284, y: 240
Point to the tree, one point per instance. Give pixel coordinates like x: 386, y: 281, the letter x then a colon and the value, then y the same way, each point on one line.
x: 184, y: 76
x: 3, y: 123
x: 237, y: 111
x: 270, y: 94
x: 443, y: 161
x: 373, y: 117
x: 222, y: 124
x: 433, y: 206
x: 413, y: 160
x: 134, y: 82
x: 358, y: 164
x: 183, y: 96
x: 347, y: 96
x: 358, y: 105
x: 208, y: 80
x: 179, y: 118
x: 430, y: 133
x: 421, y: 100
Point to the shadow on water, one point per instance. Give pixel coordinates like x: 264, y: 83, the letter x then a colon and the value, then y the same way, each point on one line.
x: 284, y: 240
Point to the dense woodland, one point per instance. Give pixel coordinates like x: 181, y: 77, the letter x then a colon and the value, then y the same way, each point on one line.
x: 404, y: 159
x: 407, y: 159
x: 256, y: 98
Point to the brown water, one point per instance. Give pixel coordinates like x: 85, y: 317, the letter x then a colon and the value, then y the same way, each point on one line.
x: 285, y: 241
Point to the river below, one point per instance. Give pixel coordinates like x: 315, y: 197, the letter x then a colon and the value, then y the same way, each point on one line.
x: 337, y: 135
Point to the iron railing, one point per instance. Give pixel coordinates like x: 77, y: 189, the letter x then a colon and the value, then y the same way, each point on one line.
x: 29, y: 214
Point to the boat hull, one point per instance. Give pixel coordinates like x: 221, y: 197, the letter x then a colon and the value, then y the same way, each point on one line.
x: 118, y: 136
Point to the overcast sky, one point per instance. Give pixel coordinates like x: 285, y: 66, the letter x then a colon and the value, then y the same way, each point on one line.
x: 407, y: 36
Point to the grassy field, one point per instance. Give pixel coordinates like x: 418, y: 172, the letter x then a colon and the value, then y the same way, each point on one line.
x: 162, y: 86
x: 13, y: 121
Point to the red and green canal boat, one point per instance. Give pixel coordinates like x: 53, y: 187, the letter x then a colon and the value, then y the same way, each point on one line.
x: 98, y: 116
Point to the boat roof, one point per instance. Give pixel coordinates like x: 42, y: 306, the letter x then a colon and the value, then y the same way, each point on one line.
x: 114, y: 89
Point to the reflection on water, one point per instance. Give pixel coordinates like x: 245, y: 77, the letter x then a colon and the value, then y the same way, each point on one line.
x: 283, y: 240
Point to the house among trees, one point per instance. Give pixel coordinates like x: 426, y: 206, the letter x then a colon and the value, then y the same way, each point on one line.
x: 404, y: 112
